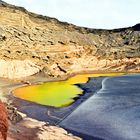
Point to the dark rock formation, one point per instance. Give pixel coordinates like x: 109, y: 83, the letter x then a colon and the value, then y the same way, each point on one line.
x: 136, y: 27
x: 13, y: 115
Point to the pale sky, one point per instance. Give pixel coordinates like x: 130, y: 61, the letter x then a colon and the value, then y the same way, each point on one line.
x: 89, y: 13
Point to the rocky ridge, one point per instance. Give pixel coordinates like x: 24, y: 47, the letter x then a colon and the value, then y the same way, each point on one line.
x: 59, y: 48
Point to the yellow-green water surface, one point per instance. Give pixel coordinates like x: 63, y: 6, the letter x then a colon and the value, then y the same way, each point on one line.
x: 56, y: 94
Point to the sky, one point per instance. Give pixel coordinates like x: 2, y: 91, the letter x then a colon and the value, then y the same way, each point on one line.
x: 105, y: 14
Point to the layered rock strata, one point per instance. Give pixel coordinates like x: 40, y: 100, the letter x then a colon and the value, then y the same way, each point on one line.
x: 62, y: 48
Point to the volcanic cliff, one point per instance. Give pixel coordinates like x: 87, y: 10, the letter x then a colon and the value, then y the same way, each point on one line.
x: 30, y: 43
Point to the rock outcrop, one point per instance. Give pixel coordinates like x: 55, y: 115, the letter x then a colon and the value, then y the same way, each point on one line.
x: 17, y: 69
x: 61, y: 48
x: 3, y: 122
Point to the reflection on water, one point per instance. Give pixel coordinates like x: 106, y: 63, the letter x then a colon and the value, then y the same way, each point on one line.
x: 57, y: 94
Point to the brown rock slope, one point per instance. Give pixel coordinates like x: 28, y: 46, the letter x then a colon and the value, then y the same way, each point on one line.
x: 61, y: 48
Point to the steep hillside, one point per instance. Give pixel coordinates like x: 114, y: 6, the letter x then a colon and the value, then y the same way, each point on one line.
x: 59, y: 48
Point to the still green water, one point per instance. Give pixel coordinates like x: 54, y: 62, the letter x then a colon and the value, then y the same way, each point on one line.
x: 56, y: 94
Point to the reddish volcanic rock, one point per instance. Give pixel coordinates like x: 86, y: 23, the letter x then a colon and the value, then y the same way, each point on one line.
x: 3, y: 122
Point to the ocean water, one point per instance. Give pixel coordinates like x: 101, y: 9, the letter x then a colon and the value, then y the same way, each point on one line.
x: 113, y: 113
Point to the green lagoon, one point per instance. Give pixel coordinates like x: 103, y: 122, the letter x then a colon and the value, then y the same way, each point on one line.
x: 56, y: 94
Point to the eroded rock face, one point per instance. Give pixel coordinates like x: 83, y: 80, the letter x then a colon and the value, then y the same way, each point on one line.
x: 17, y: 68
x: 62, y: 48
